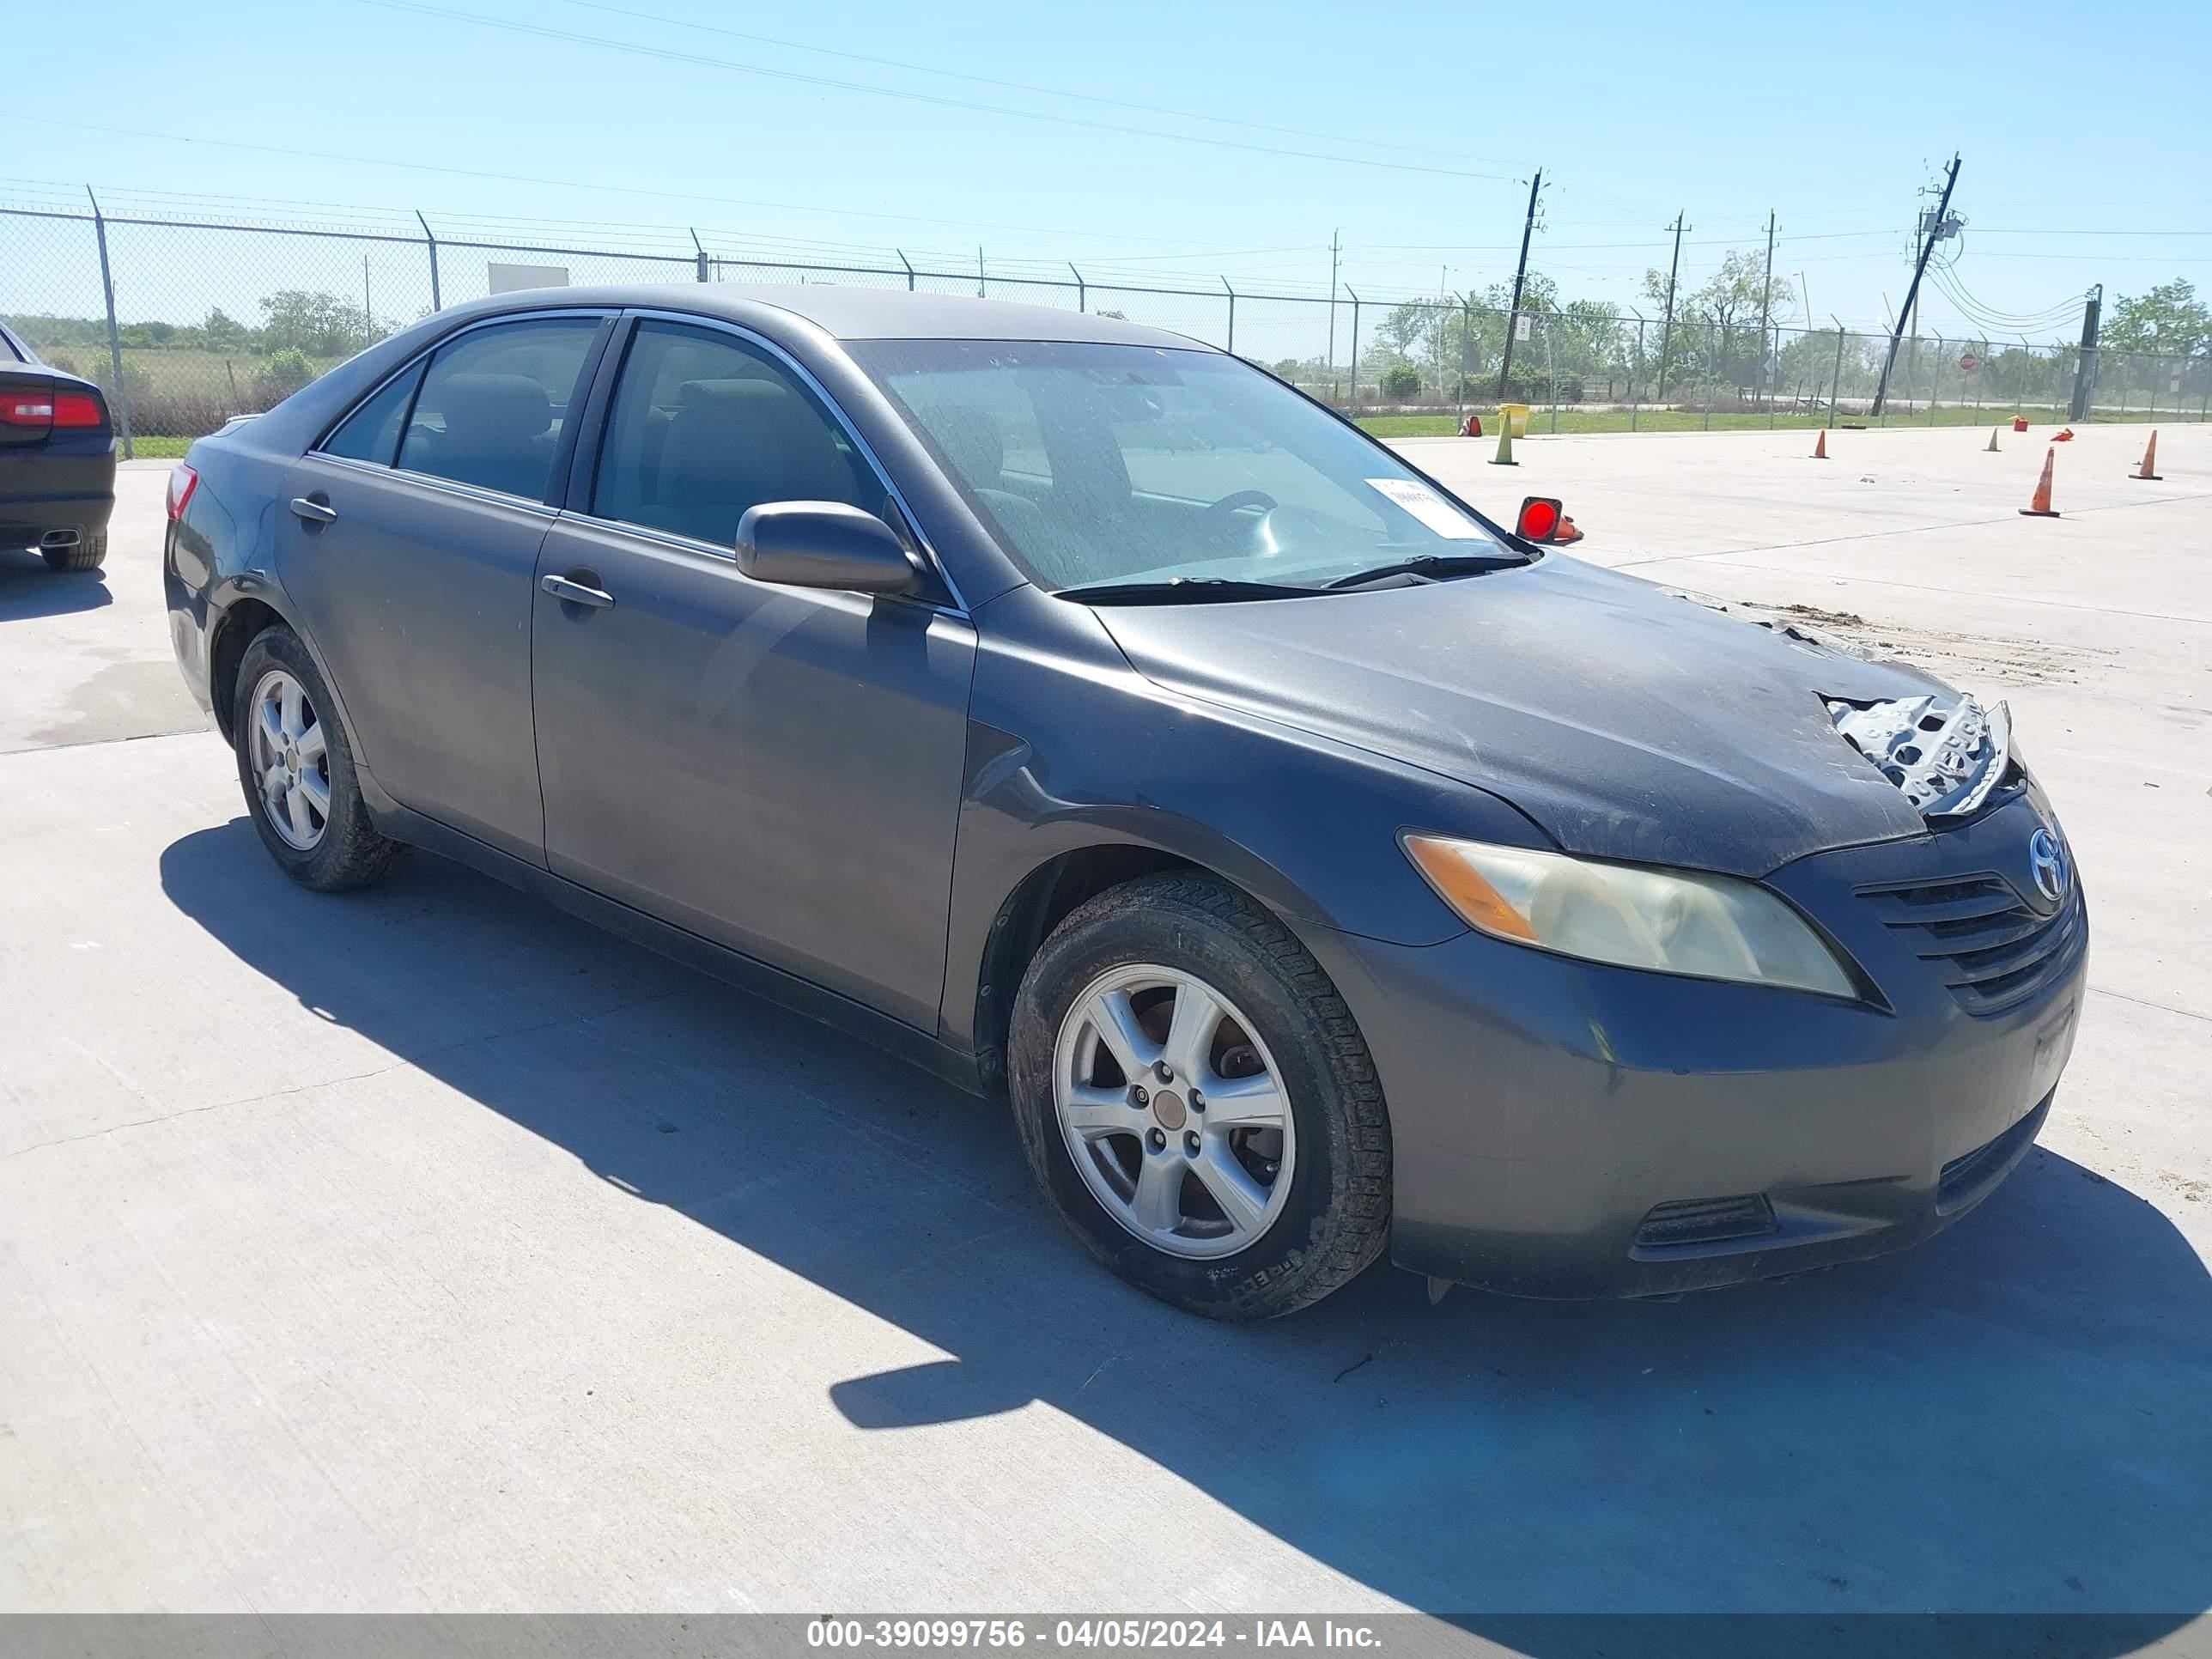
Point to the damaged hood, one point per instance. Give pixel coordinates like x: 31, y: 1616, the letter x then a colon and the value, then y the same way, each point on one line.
x: 1626, y: 721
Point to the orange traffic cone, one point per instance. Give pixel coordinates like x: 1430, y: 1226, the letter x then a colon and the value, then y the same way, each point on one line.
x: 1471, y: 427
x: 1821, y: 445
x: 2020, y: 422
x: 2038, y: 505
x: 2150, y: 459
x: 1566, y: 533
x: 1992, y: 449
x: 2063, y: 435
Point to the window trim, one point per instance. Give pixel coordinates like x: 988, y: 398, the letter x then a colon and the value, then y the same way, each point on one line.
x: 420, y: 368
x: 591, y: 443
x: 556, y: 491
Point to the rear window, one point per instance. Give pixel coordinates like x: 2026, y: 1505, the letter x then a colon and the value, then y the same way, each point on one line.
x: 493, y: 404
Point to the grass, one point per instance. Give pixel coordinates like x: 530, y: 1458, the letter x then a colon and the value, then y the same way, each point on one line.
x: 158, y: 449
x: 1691, y: 420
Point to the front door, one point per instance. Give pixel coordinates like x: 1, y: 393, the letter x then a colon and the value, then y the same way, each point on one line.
x: 776, y: 769
x: 409, y: 541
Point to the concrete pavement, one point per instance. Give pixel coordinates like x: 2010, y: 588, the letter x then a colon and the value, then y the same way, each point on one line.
x: 425, y: 1249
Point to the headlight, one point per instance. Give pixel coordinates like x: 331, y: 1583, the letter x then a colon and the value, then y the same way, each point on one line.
x: 1667, y: 921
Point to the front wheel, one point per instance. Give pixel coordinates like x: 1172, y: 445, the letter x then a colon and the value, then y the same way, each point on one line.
x: 1196, y: 1101
x: 296, y: 769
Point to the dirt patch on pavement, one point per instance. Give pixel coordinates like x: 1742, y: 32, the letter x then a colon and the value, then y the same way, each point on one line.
x: 1951, y: 654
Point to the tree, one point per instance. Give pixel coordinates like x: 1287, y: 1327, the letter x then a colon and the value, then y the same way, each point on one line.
x: 2169, y: 320
x: 314, y: 325
x: 223, y: 333
x: 1726, y: 309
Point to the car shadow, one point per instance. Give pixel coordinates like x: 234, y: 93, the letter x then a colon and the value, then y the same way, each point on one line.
x: 29, y: 589
x: 2009, y: 1418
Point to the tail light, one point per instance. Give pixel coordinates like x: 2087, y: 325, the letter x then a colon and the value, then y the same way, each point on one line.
x: 22, y: 407
x: 182, y: 480
x: 40, y: 408
x: 78, y: 410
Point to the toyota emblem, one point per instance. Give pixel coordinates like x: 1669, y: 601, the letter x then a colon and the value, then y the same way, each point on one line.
x: 2047, y: 863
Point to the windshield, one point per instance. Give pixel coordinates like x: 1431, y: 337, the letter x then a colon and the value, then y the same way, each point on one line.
x: 1111, y: 464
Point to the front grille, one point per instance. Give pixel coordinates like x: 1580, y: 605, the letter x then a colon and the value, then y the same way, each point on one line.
x: 1992, y: 949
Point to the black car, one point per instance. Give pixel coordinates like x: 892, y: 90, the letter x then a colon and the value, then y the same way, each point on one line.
x: 56, y: 460
x: 1316, y: 868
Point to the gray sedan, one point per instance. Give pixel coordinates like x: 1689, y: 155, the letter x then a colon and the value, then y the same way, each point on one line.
x: 1318, y: 869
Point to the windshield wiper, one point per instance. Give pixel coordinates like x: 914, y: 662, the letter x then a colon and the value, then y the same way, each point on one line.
x: 1433, y: 564
x: 1183, y: 590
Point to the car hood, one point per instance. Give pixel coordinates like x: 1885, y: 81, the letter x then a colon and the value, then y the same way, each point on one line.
x: 1627, y: 721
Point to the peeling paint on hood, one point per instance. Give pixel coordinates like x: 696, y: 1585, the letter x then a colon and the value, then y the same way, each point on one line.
x: 1797, y: 632
x: 1623, y: 723
x: 1946, y: 754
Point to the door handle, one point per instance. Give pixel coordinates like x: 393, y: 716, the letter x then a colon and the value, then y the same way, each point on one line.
x: 570, y: 593
x: 315, y: 512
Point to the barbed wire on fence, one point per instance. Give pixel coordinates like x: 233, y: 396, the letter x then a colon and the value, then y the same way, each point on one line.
x: 185, y: 322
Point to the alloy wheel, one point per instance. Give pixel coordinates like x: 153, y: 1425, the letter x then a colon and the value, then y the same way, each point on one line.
x: 1173, y: 1111
x: 290, y: 760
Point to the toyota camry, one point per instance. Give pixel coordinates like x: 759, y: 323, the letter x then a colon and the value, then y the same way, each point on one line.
x: 1318, y: 869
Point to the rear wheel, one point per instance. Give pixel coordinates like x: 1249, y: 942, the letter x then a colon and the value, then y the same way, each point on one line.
x: 296, y: 769
x: 1196, y: 1101
x: 86, y: 553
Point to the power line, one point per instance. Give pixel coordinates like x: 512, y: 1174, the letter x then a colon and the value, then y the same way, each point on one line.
x: 1009, y: 86
x: 694, y: 60
x: 616, y: 189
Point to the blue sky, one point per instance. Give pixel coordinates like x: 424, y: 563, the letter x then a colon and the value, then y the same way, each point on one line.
x: 1405, y: 128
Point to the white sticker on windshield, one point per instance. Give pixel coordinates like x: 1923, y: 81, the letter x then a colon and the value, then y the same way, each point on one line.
x: 1431, y: 508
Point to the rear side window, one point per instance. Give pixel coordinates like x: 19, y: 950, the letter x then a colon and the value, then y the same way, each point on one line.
x: 371, y: 433
x: 704, y: 426
x: 493, y: 402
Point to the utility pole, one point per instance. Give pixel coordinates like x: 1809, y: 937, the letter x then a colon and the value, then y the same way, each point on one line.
x: 1334, y: 249
x: 1520, y: 276
x: 1667, y: 328
x: 1766, y: 298
x: 1934, y: 230
x: 2085, y: 367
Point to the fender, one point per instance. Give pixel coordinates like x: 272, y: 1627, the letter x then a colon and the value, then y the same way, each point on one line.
x: 1204, y: 784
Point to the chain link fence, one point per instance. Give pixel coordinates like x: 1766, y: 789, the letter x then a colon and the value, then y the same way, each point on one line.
x: 186, y: 323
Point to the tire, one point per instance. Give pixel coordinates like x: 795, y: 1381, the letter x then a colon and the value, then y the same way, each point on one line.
x: 1334, y: 1219
x: 88, y: 554
x: 346, y: 851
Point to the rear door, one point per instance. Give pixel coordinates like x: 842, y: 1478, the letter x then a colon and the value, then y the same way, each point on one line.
x: 409, y: 541
x: 774, y: 768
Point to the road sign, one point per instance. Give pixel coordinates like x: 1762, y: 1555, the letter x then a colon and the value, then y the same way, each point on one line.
x: 1970, y: 362
x: 2173, y: 381
x: 1520, y: 324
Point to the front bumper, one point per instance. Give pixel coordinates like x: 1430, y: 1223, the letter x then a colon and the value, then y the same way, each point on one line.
x: 1543, y: 1110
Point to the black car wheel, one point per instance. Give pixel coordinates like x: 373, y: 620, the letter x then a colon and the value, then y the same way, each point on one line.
x: 87, y: 553
x: 296, y: 769
x: 1196, y: 1101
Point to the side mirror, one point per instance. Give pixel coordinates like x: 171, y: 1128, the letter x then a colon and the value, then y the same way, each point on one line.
x: 822, y: 544
x: 1543, y: 520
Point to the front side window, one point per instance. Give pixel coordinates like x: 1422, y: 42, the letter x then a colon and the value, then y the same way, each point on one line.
x: 493, y: 403
x: 371, y: 433
x: 704, y: 426
x: 1110, y: 464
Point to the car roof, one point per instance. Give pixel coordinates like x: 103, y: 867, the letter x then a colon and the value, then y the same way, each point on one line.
x: 854, y: 313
